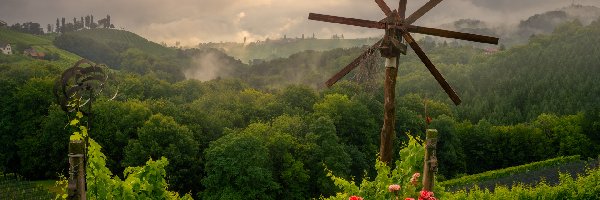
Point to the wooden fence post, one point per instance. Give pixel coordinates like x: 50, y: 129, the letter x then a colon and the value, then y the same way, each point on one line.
x: 76, y: 187
x: 388, y: 131
x: 430, y: 164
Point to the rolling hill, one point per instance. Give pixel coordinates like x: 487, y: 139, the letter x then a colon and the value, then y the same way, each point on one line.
x: 21, y: 41
x: 107, y: 45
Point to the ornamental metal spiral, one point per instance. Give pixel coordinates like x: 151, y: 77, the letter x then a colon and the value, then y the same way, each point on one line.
x: 79, y: 85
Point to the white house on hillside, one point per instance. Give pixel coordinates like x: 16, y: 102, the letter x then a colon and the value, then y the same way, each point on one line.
x: 6, y: 49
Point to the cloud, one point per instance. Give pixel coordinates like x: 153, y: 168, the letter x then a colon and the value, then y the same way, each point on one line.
x: 194, y: 21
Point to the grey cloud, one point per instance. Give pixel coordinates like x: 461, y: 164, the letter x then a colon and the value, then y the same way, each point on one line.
x: 194, y: 21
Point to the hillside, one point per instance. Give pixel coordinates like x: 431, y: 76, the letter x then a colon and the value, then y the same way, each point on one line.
x: 519, y: 33
x: 557, y: 73
x: 123, y: 50
x: 282, y: 48
x: 14, y: 37
x: 21, y: 41
x: 507, y: 87
x: 107, y: 45
x: 120, y: 40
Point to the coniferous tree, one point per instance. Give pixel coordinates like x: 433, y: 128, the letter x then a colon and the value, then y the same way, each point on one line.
x: 62, y: 30
x: 92, y: 24
x: 57, y: 25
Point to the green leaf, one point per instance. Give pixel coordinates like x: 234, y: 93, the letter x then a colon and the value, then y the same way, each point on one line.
x: 75, y: 136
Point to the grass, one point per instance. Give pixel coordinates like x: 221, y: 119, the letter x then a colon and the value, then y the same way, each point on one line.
x: 119, y: 38
x: 14, y: 37
x: 49, y: 185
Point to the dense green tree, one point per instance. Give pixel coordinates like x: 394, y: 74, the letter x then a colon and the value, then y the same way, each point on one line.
x: 296, y: 99
x: 115, y: 123
x: 162, y: 136
x: 46, y: 144
x: 355, y: 126
x: 238, y: 166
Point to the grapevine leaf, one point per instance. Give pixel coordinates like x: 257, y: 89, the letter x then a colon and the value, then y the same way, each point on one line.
x: 75, y: 137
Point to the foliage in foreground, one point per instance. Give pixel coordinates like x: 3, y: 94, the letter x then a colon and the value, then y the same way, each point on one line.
x: 585, y: 187
x: 411, y: 161
x: 144, y: 182
x: 494, y: 174
x: 386, y: 183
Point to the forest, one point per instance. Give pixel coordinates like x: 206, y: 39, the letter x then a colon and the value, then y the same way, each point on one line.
x: 268, y: 131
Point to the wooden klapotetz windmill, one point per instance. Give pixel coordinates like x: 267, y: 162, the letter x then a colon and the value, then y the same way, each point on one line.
x: 398, y: 29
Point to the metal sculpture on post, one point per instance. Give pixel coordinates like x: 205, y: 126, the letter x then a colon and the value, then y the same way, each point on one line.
x: 398, y: 29
x: 75, y: 91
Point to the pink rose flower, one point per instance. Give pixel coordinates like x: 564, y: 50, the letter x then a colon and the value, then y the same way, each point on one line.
x: 394, y: 188
x: 415, y: 179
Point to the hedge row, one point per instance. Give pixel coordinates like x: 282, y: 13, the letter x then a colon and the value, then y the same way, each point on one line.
x: 495, y: 174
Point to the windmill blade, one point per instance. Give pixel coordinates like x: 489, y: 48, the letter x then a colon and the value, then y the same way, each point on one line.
x: 436, y: 74
x: 421, y: 11
x: 345, y: 20
x: 384, y: 7
x: 453, y: 34
x: 402, y: 9
x: 335, y: 78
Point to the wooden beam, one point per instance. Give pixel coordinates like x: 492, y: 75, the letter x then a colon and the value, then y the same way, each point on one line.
x: 77, y: 185
x: 430, y: 163
x: 388, y: 133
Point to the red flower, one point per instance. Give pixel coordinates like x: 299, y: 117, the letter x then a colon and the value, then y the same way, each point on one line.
x: 393, y: 188
x: 426, y: 195
x: 355, y: 198
x: 428, y: 120
x: 409, y: 199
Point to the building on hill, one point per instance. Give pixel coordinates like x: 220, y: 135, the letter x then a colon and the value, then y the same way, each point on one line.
x: 33, y: 53
x: 6, y: 48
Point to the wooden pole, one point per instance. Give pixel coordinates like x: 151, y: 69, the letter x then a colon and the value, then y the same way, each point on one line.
x: 76, y: 186
x: 388, y: 133
x: 430, y: 164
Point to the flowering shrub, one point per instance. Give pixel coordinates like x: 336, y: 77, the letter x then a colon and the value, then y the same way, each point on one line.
x: 394, y: 188
x: 386, y: 185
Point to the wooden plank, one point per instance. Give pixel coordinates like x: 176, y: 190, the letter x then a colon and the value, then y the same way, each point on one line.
x: 421, y: 11
x: 453, y: 34
x: 436, y: 74
x: 384, y: 7
x: 347, y: 21
x: 335, y: 78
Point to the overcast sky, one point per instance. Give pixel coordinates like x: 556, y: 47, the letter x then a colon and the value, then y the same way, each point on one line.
x: 195, y: 21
